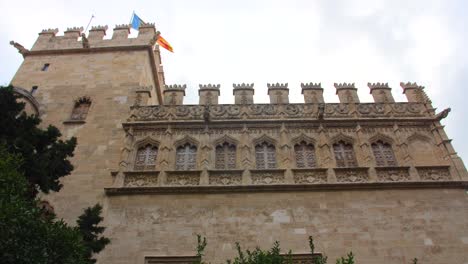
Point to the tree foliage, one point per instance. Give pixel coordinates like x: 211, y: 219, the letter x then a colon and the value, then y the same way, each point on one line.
x: 44, y: 154
x: 32, y: 160
x: 26, y: 236
x: 88, y: 225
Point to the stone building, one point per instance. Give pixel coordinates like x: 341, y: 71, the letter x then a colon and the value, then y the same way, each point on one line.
x: 381, y: 179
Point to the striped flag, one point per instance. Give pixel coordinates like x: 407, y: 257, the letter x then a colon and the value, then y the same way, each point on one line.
x: 136, y: 21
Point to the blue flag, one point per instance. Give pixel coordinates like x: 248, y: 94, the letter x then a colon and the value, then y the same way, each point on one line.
x: 136, y: 21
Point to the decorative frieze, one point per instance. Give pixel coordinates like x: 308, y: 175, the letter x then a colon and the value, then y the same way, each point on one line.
x: 310, y: 176
x: 183, y: 178
x: 141, y: 179
x: 352, y: 175
x: 393, y: 174
x: 267, y: 176
x: 434, y: 173
x: 225, y: 177
x: 273, y: 111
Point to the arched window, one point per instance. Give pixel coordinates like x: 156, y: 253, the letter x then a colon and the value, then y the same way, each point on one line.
x: 265, y: 156
x: 80, y: 109
x: 186, y: 157
x: 305, y: 155
x: 146, y: 157
x: 383, y: 154
x: 344, y: 154
x: 225, y: 156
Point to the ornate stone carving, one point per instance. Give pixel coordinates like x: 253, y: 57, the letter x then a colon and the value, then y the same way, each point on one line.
x: 267, y: 177
x: 183, y: 178
x: 314, y: 176
x: 352, y: 175
x: 393, y: 174
x: 434, y: 173
x: 279, y: 111
x: 21, y: 49
x: 84, y: 41
x: 225, y: 178
x: 141, y: 180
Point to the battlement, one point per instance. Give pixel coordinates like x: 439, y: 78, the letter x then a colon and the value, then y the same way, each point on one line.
x: 312, y: 92
x: 49, y: 40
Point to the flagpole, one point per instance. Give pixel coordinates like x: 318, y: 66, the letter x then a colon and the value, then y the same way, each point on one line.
x: 92, y: 16
x: 131, y: 18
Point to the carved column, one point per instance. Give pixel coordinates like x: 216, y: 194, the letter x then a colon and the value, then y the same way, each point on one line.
x: 285, y: 150
x: 124, y: 158
x: 326, y: 158
x: 246, y: 150
x: 365, y: 154
x: 444, y: 143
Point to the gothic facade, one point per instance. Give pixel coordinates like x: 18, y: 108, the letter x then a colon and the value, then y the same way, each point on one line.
x: 381, y: 179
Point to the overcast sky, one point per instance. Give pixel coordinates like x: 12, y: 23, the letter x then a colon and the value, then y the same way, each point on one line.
x: 290, y: 41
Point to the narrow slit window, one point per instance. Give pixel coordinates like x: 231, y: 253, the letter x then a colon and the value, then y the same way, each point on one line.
x: 45, y: 67
x: 34, y: 89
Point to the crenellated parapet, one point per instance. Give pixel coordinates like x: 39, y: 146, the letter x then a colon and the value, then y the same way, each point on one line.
x: 243, y: 93
x: 73, y: 32
x: 48, y: 39
x: 174, y: 94
x: 313, y: 93
x: 415, y: 92
x: 209, y: 94
x: 278, y: 93
x: 381, y: 92
x: 97, y: 32
x: 347, y: 92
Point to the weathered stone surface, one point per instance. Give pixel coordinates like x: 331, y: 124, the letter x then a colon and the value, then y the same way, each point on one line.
x: 414, y: 207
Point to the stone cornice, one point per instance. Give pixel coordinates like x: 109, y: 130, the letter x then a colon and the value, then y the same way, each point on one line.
x: 288, y: 188
x: 148, y: 48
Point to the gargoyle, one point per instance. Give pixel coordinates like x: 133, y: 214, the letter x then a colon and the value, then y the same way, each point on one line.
x: 85, y: 41
x: 321, y: 110
x: 21, y: 49
x: 443, y: 114
x: 155, y: 38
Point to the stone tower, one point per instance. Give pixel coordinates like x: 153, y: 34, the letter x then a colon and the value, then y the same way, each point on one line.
x: 381, y: 179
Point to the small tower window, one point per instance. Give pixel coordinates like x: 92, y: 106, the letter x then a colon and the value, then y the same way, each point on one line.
x: 80, y: 109
x: 34, y: 89
x: 45, y: 67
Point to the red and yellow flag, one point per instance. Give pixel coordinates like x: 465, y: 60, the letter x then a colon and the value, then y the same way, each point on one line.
x: 163, y: 43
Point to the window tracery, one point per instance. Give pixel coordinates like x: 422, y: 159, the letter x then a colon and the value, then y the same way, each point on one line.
x: 265, y: 156
x: 146, y: 157
x: 344, y: 154
x: 225, y: 156
x: 186, y: 157
x: 383, y: 154
x: 305, y: 155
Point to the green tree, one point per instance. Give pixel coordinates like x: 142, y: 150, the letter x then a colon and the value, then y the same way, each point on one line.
x: 26, y: 236
x: 33, y: 160
x: 88, y: 225
x: 44, y: 154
